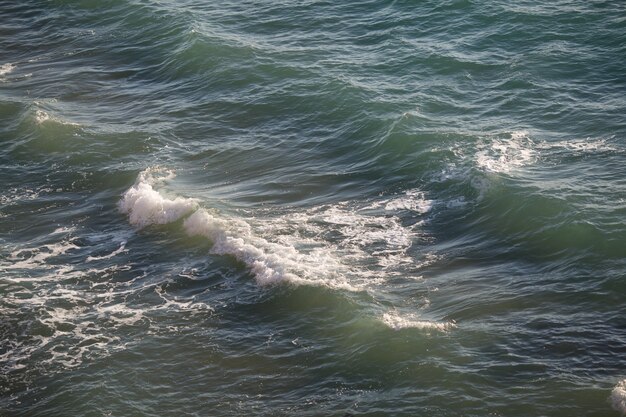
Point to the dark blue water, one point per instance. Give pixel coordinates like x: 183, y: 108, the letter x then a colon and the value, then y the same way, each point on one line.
x: 389, y: 208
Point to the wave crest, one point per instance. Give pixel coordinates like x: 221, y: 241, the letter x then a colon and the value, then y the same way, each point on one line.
x: 145, y: 206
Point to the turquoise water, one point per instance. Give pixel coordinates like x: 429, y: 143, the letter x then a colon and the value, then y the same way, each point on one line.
x: 390, y: 208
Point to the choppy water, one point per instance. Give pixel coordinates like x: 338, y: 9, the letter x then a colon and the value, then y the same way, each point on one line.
x: 374, y: 208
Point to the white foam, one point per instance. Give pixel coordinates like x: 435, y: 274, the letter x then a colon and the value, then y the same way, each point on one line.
x: 63, y: 230
x: 70, y: 329
x: 119, y: 250
x: 397, y: 322
x: 361, y: 230
x: 15, y: 195
x: 618, y: 397
x: 506, y: 155
x: 456, y: 202
x: 41, y: 116
x: 145, y: 206
x: 519, y: 134
x: 581, y: 145
x: 412, y: 200
x: 172, y: 302
x: 375, y: 246
x: 80, y: 321
x: 119, y: 313
x: 270, y: 262
x: 6, y: 69
x: 37, y: 257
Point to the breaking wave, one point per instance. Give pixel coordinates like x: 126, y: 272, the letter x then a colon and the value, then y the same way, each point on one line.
x: 338, y: 246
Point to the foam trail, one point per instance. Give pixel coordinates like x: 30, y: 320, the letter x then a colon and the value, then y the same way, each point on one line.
x: 145, y: 206
x: 618, y: 397
x: 581, y: 146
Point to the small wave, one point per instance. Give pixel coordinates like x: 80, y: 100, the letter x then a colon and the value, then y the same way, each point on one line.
x: 42, y: 117
x: 174, y: 303
x: 270, y: 262
x: 618, y: 397
x: 266, y: 266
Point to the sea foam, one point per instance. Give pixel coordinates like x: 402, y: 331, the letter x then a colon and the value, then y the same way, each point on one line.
x: 270, y: 261
x: 413, y: 200
x: 398, y: 322
x: 119, y: 250
x: 80, y: 322
x: 267, y: 266
x: 506, y: 155
x: 618, y: 397
x: 6, y: 69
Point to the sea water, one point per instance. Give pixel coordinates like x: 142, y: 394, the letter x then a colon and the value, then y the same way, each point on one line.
x: 312, y: 208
